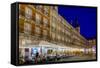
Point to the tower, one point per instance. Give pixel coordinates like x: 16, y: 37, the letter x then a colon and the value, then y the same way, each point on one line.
x: 76, y: 24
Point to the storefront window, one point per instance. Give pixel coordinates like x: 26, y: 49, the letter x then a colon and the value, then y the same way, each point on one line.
x: 21, y: 53
x: 49, y: 51
x: 26, y: 54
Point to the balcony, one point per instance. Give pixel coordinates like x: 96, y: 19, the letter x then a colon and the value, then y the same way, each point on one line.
x: 27, y: 16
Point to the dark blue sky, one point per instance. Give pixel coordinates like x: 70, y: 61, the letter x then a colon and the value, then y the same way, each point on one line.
x: 86, y: 16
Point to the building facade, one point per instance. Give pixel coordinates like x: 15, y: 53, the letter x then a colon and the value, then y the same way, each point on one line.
x: 42, y: 29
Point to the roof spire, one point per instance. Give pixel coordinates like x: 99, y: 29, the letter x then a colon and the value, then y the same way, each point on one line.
x: 76, y: 24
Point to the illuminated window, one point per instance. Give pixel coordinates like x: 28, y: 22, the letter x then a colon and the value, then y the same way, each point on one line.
x: 19, y: 7
x: 53, y: 29
x: 21, y: 52
x: 32, y: 6
x: 38, y: 18
x: 63, y: 30
x: 54, y: 8
x: 66, y: 39
x: 27, y: 28
x: 21, y: 41
x: 37, y: 30
x: 59, y: 28
x: 39, y: 7
x: 53, y: 25
x: 63, y: 38
x: 46, y: 10
x: 54, y: 20
x: 67, y: 32
x: 28, y: 13
x: 45, y: 32
x: 28, y: 41
x: 58, y: 37
x: 53, y: 36
x: 69, y: 40
x: 45, y: 21
x: 33, y: 16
